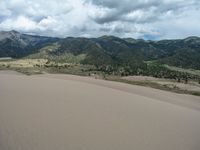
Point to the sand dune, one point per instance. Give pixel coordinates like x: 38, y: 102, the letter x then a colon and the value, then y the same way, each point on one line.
x: 64, y: 112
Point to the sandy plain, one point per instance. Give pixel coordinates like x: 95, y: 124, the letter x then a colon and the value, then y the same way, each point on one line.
x: 66, y: 112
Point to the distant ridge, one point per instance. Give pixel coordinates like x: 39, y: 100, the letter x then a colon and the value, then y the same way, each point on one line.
x: 106, y: 50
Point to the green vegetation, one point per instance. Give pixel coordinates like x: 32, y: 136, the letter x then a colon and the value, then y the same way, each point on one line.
x: 104, y: 56
x: 161, y: 71
x: 106, y: 51
x: 173, y: 88
x: 38, y: 66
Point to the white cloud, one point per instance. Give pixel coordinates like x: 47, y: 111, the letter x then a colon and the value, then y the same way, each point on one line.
x: 48, y: 22
x: 91, y: 18
x: 21, y: 23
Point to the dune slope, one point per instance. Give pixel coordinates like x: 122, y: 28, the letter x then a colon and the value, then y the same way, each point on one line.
x: 57, y: 112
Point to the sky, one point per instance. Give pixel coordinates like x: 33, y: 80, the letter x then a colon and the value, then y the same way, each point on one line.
x: 147, y: 19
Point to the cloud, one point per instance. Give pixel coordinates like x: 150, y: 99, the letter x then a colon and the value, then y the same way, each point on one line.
x: 139, y: 11
x: 151, y: 19
x: 21, y: 23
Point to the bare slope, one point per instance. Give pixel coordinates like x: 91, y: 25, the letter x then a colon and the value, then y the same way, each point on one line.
x: 56, y: 112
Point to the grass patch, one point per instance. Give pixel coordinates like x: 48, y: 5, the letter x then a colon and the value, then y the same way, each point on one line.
x: 189, y: 71
x: 154, y: 85
x: 196, y: 93
x: 39, y: 66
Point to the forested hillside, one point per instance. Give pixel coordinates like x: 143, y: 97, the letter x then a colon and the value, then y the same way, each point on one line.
x: 106, y: 52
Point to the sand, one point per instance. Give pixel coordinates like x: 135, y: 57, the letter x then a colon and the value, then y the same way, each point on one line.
x: 64, y: 112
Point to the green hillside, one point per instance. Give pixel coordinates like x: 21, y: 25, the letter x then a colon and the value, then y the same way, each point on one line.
x: 107, y: 53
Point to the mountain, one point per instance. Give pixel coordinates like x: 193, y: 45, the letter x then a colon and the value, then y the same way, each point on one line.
x: 105, y: 51
x: 102, y: 52
x: 182, y: 53
x: 15, y: 44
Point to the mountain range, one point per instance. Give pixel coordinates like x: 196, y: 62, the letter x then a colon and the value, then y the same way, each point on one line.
x: 103, y: 51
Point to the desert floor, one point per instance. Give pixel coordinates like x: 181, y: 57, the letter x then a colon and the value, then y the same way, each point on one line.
x: 66, y: 112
